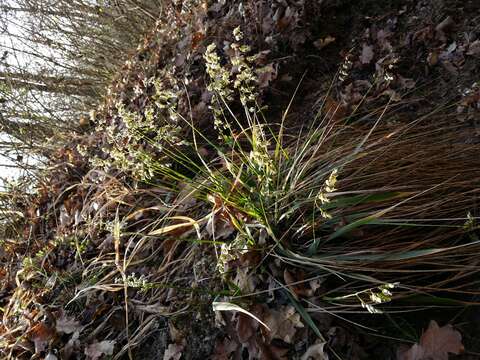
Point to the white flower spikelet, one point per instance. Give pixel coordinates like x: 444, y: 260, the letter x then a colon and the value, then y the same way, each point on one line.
x: 322, y: 197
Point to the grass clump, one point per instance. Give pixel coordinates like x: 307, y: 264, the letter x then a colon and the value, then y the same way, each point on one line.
x: 378, y: 209
x: 158, y: 216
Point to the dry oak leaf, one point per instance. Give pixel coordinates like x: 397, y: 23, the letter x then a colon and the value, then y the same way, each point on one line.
x: 246, y: 327
x: 270, y: 352
x: 435, y: 344
x: 41, y: 335
x: 266, y: 75
x: 283, y: 323
x: 95, y: 350
x: 315, y: 352
x: 67, y: 325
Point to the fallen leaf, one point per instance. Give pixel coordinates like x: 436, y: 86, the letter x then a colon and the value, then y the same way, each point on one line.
x: 173, y: 352
x: 71, y: 346
x: 67, y: 325
x: 245, y: 281
x: 394, y: 96
x: 406, y: 83
x: 283, y: 323
x: 289, y: 18
x: 95, y: 350
x: 64, y: 217
x: 41, y: 335
x: 315, y: 284
x: 267, y: 24
x: 298, y: 290
x: 439, y: 341
x: 382, y: 36
x: 223, y: 349
x: 246, y: 327
x: 220, y: 225
x: 351, y: 95
x: 315, y: 352
x: 266, y: 75
x: 180, y: 60
x: 474, y: 48
x: 445, y: 25
x: 254, y: 348
x: 414, y: 353
x: 435, y: 344
x: 270, y: 352
x: 197, y: 38
x: 50, y: 356
x: 175, y: 334
x: 250, y: 258
x: 279, y: 353
x: 367, y: 54
x: 286, y: 77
